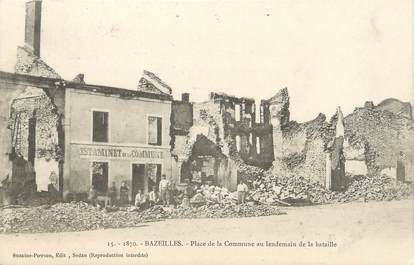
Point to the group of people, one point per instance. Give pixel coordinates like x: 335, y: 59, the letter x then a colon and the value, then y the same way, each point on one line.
x: 142, y: 200
x: 163, y: 196
x: 212, y: 193
x: 111, y: 194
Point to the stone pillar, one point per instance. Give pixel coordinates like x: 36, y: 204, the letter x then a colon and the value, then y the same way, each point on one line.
x: 279, y: 116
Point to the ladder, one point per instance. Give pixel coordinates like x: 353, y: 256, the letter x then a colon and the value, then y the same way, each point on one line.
x: 17, y: 133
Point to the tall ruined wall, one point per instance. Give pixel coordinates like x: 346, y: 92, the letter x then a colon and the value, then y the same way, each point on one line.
x: 383, y: 135
x: 30, y: 64
x: 207, y: 121
x: 374, y: 138
x: 9, y: 91
x: 299, y: 148
x: 303, y: 147
x: 14, y: 86
x: 22, y: 109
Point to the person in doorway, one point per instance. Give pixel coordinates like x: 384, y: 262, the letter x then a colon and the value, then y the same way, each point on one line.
x: 138, y: 198
x: 152, y: 197
x: 164, y: 188
x: 93, y: 195
x: 112, y: 194
x: 242, y: 189
x: 123, y: 193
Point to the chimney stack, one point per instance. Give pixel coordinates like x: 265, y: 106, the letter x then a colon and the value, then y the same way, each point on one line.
x: 32, y: 26
x: 185, y: 97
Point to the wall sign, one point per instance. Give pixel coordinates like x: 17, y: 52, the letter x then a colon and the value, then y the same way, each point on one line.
x: 119, y: 152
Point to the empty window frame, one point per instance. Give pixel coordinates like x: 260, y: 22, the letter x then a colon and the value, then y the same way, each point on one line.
x: 238, y: 143
x: 258, y: 149
x: 257, y: 112
x: 154, y: 130
x: 100, y: 126
x: 237, y: 112
x: 261, y: 114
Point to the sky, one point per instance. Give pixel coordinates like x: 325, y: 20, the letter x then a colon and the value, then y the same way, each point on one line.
x: 327, y: 53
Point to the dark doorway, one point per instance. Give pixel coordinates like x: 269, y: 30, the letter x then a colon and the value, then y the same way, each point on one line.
x: 338, y: 165
x: 100, y: 176
x: 138, y: 178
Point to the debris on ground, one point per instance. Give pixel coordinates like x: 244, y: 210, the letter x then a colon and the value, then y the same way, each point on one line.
x: 378, y: 188
x: 267, y: 193
x: 297, y: 189
x: 80, y: 216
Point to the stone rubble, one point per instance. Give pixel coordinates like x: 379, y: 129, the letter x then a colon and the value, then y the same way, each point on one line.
x: 268, y: 191
x: 297, y: 189
x: 80, y: 216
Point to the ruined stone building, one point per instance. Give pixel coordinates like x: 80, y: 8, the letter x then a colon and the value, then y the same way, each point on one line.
x: 211, y: 139
x: 74, y: 134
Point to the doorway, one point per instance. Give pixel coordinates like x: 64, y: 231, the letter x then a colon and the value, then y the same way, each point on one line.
x: 145, y: 177
x: 100, y: 176
x: 138, y: 179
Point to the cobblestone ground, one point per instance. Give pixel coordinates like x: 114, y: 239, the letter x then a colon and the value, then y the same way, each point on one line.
x: 364, y: 233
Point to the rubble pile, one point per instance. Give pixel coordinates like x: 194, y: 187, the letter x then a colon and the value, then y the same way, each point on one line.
x: 289, y: 188
x: 80, y: 216
x: 374, y: 188
x: 248, y: 173
x: 225, y: 211
x: 277, y: 189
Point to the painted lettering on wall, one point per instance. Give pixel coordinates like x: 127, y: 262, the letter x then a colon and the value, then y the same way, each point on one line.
x: 119, y: 152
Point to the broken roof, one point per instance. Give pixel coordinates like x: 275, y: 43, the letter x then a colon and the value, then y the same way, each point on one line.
x: 151, y: 83
x: 121, y: 92
x: 46, y: 82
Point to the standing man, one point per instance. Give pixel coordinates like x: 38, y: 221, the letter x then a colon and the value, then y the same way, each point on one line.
x: 242, y: 189
x: 93, y: 195
x: 163, y: 188
x: 112, y: 194
x: 123, y: 193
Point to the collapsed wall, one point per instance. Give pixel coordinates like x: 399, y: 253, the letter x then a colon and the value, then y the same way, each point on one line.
x: 35, y: 105
x: 376, y: 139
x: 215, y: 134
x: 299, y: 148
x: 30, y: 64
x: 385, y: 137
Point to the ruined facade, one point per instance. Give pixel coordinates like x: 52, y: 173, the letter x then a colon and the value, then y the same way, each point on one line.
x: 216, y: 139
x: 31, y: 124
x: 382, y: 136
x: 321, y: 150
x: 371, y: 140
x: 74, y: 134
x: 299, y: 148
x: 94, y: 135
